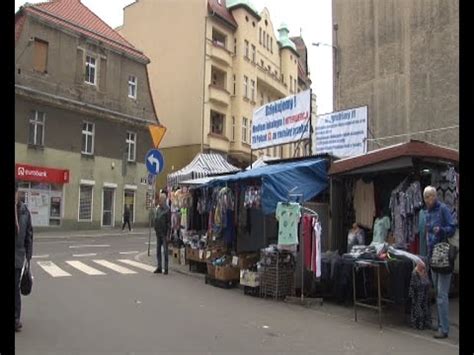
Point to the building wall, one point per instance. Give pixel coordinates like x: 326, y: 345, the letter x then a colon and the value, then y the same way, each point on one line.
x: 172, y: 35
x: 402, y: 59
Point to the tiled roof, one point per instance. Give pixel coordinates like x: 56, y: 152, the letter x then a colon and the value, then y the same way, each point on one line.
x: 221, y: 11
x: 413, y: 148
x: 19, y: 22
x: 74, y: 15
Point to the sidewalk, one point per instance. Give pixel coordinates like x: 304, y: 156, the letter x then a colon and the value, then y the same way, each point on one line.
x: 106, y: 232
x: 393, y: 317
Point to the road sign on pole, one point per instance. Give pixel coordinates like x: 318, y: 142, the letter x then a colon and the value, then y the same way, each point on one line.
x: 154, y: 161
x: 157, y: 134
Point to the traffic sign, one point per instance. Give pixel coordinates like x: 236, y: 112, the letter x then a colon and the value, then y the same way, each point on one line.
x: 154, y: 161
x: 157, y: 134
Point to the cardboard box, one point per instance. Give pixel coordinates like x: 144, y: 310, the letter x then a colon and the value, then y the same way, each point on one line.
x: 176, y: 256
x: 227, y: 273
x: 246, y: 261
x: 211, y: 270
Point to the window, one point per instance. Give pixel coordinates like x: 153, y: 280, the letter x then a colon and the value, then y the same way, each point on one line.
x: 247, y: 49
x: 294, y: 84
x: 131, y: 142
x: 40, y: 56
x: 217, y: 123
x: 261, y: 99
x: 268, y: 41
x: 271, y: 45
x: 252, y: 90
x: 85, y: 202
x: 246, y: 84
x: 36, y: 134
x: 291, y: 83
x: 132, y: 87
x: 262, y: 63
x: 260, y: 35
x: 235, y: 45
x: 218, y: 38
x: 233, y: 129
x: 87, y: 138
x: 91, y: 70
x: 235, y: 84
x: 245, y: 123
x: 254, y: 51
x: 263, y: 40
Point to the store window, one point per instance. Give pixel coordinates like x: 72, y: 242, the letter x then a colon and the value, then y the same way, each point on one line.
x: 129, y: 200
x: 85, y: 203
x: 36, y: 132
x: 45, y: 202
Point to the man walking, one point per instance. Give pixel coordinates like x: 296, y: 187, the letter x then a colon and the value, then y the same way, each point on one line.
x: 162, y: 230
x: 126, y: 218
x: 23, y: 250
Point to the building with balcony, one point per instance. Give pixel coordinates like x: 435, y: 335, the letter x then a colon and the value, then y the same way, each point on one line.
x: 82, y: 109
x: 213, y: 63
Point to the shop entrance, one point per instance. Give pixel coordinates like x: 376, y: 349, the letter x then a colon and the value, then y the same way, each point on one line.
x: 108, y: 207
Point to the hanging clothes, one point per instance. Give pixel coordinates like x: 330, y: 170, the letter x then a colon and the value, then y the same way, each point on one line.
x: 420, y: 317
x: 381, y: 228
x: 308, y: 240
x: 364, y: 203
x: 288, y: 216
x: 317, y: 250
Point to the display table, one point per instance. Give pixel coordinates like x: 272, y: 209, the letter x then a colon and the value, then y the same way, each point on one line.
x: 360, y: 264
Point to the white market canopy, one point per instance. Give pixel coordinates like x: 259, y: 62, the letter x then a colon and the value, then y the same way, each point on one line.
x: 203, y: 165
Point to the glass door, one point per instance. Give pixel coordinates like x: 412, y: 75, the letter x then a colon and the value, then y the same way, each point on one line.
x: 108, y: 209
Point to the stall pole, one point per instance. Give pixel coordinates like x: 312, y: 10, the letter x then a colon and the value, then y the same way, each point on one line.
x: 151, y: 214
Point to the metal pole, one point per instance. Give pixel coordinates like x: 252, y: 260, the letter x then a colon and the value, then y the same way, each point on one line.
x: 151, y: 215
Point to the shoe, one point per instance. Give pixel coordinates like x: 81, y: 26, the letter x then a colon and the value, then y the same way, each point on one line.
x: 166, y: 272
x: 131, y: 230
x: 18, y: 326
x: 440, y: 335
x: 157, y: 271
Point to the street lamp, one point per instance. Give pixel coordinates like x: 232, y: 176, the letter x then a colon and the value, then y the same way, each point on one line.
x: 335, y: 68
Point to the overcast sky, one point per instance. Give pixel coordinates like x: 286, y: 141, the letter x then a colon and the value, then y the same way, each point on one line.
x: 312, y: 17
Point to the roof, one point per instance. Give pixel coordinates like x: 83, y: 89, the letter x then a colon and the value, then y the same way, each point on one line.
x: 262, y: 161
x: 221, y: 11
x: 411, y: 149
x: 75, y: 16
x: 247, y: 4
x: 284, y: 40
x: 308, y: 177
x: 203, y: 164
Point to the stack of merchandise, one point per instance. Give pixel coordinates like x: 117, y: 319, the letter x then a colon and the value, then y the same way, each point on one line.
x: 196, y: 248
x: 277, y: 272
x: 222, y: 269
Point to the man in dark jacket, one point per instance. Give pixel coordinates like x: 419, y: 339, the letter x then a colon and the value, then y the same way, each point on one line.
x: 126, y: 218
x: 23, y: 250
x: 162, y: 230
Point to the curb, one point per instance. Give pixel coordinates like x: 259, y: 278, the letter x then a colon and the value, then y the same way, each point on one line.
x: 65, y: 236
x: 139, y: 257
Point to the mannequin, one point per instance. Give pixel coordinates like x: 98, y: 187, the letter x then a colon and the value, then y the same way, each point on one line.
x: 356, y: 236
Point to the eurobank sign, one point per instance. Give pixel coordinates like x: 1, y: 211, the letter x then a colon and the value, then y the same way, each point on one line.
x: 282, y: 121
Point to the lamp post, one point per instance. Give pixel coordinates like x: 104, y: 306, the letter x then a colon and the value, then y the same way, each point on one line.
x: 335, y: 70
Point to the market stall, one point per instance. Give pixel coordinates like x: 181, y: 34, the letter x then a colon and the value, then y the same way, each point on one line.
x: 376, y: 203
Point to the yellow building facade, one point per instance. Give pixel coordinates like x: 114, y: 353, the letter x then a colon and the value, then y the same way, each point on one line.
x: 213, y: 62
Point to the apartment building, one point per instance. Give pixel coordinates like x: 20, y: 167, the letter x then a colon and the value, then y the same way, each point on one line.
x: 82, y: 107
x: 213, y: 63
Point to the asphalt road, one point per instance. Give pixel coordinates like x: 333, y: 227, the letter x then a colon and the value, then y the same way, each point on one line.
x: 105, y: 305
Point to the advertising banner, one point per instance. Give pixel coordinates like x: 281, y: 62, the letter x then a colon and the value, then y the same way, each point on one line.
x: 342, y: 134
x: 282, y: 121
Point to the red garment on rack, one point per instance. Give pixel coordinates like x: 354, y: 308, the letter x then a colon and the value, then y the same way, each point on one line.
x: 307, y: 236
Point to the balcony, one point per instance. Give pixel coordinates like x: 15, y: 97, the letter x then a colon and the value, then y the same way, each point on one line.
x: 219, y: 53
x: 264, y: 75
x: 219, y: 95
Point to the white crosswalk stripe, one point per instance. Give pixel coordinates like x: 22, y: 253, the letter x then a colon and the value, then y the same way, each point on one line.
x: 79, y: 265
x: 52, y: 269
x: 115, y: 267
x: 137, y: 264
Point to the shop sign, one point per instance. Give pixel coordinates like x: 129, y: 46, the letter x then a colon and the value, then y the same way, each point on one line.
x: 342, y: 134
x: 282, y: 121
x: 40, y: 174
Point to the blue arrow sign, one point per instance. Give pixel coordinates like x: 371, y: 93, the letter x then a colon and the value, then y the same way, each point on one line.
x: 154, y: 161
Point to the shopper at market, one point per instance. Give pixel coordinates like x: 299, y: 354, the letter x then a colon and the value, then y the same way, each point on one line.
x: 23, y: 250
x: 163, y: 231
x: 439, y: 226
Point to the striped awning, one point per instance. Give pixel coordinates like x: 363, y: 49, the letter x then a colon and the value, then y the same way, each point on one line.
x: 203, y: 164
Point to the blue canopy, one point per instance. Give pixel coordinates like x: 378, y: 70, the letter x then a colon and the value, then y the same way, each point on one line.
x: 308, y: 177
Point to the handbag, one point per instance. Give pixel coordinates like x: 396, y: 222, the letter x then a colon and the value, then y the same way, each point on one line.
x: 26, y: 280
x: 444, y: 256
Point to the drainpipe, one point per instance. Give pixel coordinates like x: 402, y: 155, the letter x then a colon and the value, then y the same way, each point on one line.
x: 204, y: 84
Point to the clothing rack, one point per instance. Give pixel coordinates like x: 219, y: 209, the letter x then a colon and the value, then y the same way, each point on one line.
x: 302, y: 249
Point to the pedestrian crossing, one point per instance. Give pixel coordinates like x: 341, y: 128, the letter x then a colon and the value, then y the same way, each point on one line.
x: 94, y: 267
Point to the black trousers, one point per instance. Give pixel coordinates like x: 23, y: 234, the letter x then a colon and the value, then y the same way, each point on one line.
x: 161, y: 241
x: 126, y: 221
x: 17, y: 294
